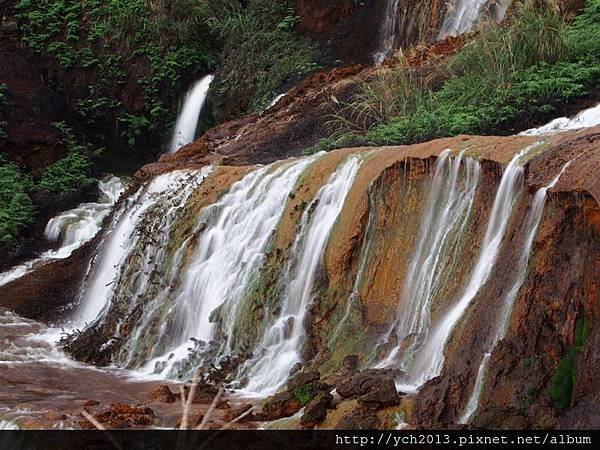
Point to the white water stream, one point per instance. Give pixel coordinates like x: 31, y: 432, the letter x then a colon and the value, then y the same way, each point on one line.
x: 531, y: 226
x: 585, y: 119
x: 462, y: 15
x: 388, y: 32
x: 447, y: 212
x: 122, y: 237
x: 72, y: 228
x: 424, y: 361
x: 228, y: 258
x: 281, y: 344
x: 428, y: 363
x: 187, y: 120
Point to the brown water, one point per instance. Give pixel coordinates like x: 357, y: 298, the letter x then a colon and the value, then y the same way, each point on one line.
x: 41, y: 387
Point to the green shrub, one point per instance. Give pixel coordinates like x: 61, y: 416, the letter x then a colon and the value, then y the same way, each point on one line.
x: 70, y: 173
x: 583, y: 36
x: 16, y: 208
x: 157, y: 45
x: 2, y: 101
x: 505, y: 76
x: 260, y: 51
x: 563, y: 381
x: 303, y: 394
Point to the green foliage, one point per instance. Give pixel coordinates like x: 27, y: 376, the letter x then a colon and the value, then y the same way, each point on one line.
x: 70, y: 173
x: 583, y: 36
x: 507, y: 75
x: 155, y: 45
x: 261, y: 52
x: 303, y: 394
x: 582, y: 331
x: 2, y: 102
x: 563, y: 380
x: 16, y: 208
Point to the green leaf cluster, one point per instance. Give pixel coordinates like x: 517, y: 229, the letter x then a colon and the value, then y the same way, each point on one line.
x: 506, y: 76
x: 16, y: 207
x: 563, y: 381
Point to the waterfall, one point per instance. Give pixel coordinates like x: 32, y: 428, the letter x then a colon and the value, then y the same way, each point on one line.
x: 72, y: 228
x: 430, y: 358
x: 187, y: 120
x: 227, y: 259
x: 532, y: 223
x: 462, y: 15
x: 124, y: 233
x: 447, y: 212
x: 281, y: 344
x: 585, y: 119
x: 387, y: 32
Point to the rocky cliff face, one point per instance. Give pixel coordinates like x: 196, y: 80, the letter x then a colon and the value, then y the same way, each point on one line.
x: 384, y: 209
x: 552, y: 334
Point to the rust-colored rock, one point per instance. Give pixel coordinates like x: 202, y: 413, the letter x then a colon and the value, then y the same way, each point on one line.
x: 279, y: 406
x: 118, y: 415
x: 316, y: 410
x: 163, y: 394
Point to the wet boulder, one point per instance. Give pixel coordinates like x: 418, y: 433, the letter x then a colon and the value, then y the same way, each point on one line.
x: 280, y: 405
x: 350, y: 363
x: 359, y: 421
x: 374, y: 389
x: 316, y: 410
x: 303, y: 378
x: 163, y: 394
x: 118, y: 415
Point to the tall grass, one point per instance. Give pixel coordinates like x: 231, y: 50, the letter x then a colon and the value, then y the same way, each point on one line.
x: 390, y: 93
x: 536, y: 35
x: 507, y: 74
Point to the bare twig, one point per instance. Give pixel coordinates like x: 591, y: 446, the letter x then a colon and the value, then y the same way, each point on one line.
x: 238, y: 418
x: 100, y: 427
x: 187, y: 403
x: 225, y: 427
x: 211, y: 409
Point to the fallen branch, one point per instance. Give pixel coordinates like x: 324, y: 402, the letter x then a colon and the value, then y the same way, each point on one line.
x: 187, y: 403
x: 101, y: 427
x: 211, y: 409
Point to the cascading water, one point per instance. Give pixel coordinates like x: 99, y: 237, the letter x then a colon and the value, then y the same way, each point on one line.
x: 447, y: 212
x: 281, y: 344
x: 187, y: 120
x: 462, y: 15
x: 388, y: 32
x: 72, y: 228
x: 228, y: 257
x: 122, y: 237
x: 585, y: 119
x: 531, y: 226
x: 430, y: 358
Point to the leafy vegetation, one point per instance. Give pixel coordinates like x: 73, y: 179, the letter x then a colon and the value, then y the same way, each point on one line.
x: 70, y: 173
x: 16, y: 207
x: 2, y: 100
x: 563, y: 381
x: 123, y: 65
x: 304, y: 393
x: 118, y: 47
x: 127, y: 61
x: 510, y: 74
x: 261, y: 52
x: 17, y: 210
